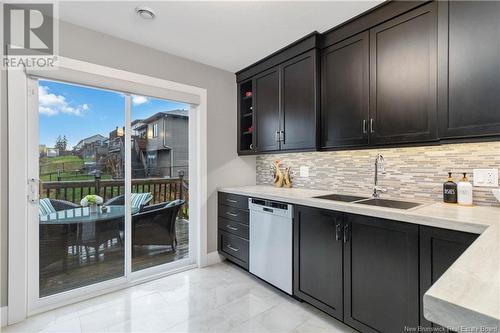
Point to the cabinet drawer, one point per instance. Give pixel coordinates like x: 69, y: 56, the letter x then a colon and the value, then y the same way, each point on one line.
x: 234, y: 246
x: 233, y: 200
x: 233, y: 214
x: 233, y: 227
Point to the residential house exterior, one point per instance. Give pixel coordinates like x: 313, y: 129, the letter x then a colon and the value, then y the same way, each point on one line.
x: 166, y: 150
x: 90, y: 148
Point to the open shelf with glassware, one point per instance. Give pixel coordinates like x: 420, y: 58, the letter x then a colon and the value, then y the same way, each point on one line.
x: 246, y: 117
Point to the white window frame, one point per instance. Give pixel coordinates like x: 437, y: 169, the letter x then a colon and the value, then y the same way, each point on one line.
x: 85, y: 73
x: 155, y: 130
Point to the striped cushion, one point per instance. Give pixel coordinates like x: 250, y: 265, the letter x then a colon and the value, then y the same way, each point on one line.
x: 139, y: 199
x: 45, y: 207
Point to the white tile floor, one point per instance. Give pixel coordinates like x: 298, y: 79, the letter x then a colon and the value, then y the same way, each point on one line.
x: 220, y: 298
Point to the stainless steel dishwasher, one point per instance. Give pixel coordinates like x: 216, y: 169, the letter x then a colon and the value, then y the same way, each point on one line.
x: 271, y: 242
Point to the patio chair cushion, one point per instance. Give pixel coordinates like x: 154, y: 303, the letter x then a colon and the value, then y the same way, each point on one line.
x: 140, y: 199
x: 45, y: 207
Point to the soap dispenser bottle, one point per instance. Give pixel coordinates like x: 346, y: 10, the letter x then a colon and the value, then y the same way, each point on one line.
x: 464, y: 191
x: 450, y: 190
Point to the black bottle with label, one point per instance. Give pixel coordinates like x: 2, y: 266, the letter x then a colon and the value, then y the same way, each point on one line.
x: 450, y: 190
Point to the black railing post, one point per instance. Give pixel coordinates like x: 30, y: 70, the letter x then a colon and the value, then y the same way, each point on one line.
x: 181, y: 184
x: 97, y: 177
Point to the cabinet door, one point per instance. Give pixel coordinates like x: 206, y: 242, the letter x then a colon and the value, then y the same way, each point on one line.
x: 381, y: 275
x: 470, y: 89
x: 439, y: 248
x: 318, y: 258
x: 344, y: 93
x: 298, y: 102
x: 267, y: 104
x: 403, y: 89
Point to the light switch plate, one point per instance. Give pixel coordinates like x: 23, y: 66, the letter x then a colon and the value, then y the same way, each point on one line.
x: 486, y: 177
x: 304, y: 171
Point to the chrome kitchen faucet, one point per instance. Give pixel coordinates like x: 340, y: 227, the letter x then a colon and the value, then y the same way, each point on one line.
x: 379, y: 165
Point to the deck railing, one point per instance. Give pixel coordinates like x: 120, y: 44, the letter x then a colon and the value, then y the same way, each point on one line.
x: 162, y: 189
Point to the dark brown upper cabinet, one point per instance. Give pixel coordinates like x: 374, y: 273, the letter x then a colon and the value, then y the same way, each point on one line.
x: 285, y: 105
x: 267, y: 106
x: 344, y: 93
x: 285, y: 88
x: 299, y: 90
x: 403, y: 78
x: 402, y: 73
x: 470, y: 69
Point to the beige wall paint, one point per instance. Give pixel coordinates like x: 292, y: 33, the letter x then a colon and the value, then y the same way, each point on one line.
x: 223, y: 164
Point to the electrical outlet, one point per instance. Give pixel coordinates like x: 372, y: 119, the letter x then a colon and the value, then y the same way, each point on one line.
x: 486, y: 177
x: 304, y: 171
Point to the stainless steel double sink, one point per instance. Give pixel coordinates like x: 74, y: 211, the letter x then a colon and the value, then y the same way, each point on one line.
x: 396, y: 204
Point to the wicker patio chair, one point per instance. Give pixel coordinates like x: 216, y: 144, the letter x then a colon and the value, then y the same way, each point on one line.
x: 155, y: 225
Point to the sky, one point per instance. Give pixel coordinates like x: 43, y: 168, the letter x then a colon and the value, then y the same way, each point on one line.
x: 79, y: 112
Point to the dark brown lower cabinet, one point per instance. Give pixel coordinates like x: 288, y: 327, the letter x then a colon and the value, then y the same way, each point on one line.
x: 380, y: 274
x: 439, y: 248
x: 371, y: 273
x: 318, y: 249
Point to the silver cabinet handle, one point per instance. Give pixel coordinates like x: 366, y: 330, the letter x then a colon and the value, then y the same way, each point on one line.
x: 231, y: 214
x: 372, y: 125
x: 231, y: 227
x: 338, y: 231
x: 277, y: 136
x: 231, y: 201
x: 346, y: 233
x: 365, y: 127
x: 232, y: 248
x: 282, y: 136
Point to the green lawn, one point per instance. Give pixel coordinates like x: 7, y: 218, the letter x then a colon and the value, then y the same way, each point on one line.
x: 69, y: 168
x: 63, y: 163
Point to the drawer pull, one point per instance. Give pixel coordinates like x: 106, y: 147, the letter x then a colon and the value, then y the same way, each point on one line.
x: 231, y: 214
x: 232, y: 248
x: 231, y: 201
x: 231, y: 227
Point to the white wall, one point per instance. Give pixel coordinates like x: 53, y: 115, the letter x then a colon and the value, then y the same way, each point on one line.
x: 224, y: 166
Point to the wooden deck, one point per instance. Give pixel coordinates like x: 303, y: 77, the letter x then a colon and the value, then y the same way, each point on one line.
x: 85, y: 268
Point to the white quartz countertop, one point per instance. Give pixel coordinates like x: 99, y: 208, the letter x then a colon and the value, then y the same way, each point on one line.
x: 468, y: 294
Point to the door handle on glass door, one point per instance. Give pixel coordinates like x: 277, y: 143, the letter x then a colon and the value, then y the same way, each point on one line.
x: 33, y: 190
x: 282, y: 136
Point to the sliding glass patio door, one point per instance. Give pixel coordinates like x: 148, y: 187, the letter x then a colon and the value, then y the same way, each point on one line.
x: 160, y: 182
x: 110, y: 201
x: 81, y: 168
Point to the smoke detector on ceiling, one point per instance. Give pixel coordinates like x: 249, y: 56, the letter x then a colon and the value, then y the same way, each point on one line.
x: 145, y: 12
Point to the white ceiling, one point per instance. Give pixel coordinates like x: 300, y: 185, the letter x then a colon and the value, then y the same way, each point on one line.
x: 228, y: 34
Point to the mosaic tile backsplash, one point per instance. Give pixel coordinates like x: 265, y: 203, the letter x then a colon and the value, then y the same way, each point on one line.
x: 414, y: 173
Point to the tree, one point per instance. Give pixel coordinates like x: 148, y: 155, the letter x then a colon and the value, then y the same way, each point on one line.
x: 61, y: 143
